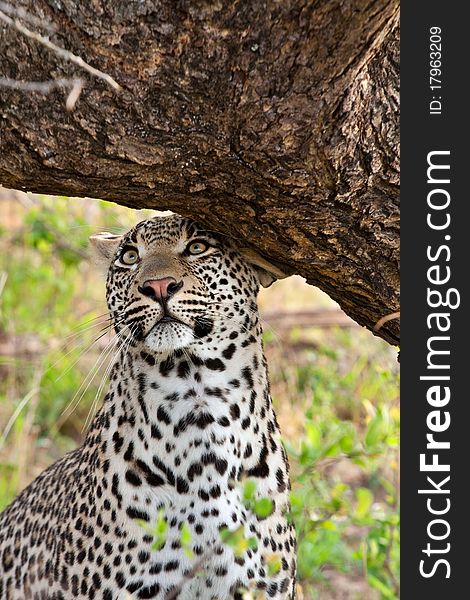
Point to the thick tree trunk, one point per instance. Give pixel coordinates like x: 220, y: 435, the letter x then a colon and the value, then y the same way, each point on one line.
x: 275, y: 122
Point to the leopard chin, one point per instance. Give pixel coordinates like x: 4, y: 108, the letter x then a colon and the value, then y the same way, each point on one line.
x: 168, y: 336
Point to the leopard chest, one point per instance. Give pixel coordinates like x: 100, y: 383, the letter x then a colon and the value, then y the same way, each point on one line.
x: 188, y: 436
x: 181, y: 455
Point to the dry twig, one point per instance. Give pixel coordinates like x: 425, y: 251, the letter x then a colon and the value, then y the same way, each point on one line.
x: 381, y: 322
x: 18, y: 11
x: 74, y: 84
x: 45, y: 87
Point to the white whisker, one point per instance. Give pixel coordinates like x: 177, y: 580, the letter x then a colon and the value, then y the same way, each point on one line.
x: 90, y: 324
x: 77, y: 397
x: 120, y: 344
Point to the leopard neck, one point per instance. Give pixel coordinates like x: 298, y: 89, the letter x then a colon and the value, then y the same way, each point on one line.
x: 186, y: 407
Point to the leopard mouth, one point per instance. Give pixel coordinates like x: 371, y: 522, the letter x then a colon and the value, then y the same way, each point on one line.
x: 165, y: 321
x: 170, y: 332
x: 168, y: 319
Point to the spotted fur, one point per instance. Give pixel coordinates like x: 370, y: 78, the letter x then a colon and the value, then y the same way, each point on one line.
x: 187, y: 417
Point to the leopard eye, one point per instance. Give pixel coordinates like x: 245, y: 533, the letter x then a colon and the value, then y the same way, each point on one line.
x: 197, y: 247
x: 129, y: 256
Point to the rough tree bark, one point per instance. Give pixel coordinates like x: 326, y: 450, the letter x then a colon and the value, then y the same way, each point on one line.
x: 275, y: 122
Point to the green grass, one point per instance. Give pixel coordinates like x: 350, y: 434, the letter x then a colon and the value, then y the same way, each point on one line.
x: 335, y: 391
x: 344, y: 499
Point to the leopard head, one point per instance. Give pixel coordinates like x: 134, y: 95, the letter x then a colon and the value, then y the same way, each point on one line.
x: 173, y: 284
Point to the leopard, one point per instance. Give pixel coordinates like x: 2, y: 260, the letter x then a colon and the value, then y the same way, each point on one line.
x: 186, y: 422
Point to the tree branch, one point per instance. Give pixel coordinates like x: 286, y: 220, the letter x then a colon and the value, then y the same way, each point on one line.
x: 277, y: 123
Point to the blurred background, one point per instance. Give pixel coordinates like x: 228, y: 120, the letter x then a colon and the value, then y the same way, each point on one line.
x: 334, y: 386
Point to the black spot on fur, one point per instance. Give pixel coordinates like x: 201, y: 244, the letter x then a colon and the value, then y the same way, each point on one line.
x: 149, y: 592
x: 215, y: 364
x: 246, y: 422
x: 149, y: 359
x: 118, y: 442
x: 142, y: 382
x: 234, y: 411
x: 133, y: 478
x: 215, y: 391
x: 183, y: 369
x: 135, y: 513
x: 203, y: 495
x: 204, y: 419
x: 155, y: 432
x: 215, y: 492
x: 172, y: 565
x: 164, y: 469
x: 163, y: 416
x: 129, y: 453
x: 195, y: 469
x: 133, y: 587
x: 221, y: 465
x: 229, y: 351
x: 281, y: 485
x: 182, y: 486
x: 247, y: 376
x: 262, y: 468
x: 166, y: 366
x: 202, y: 327
x: 151, y: 478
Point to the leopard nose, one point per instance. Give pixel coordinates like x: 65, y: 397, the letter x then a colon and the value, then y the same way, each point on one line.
x: 160, y: 289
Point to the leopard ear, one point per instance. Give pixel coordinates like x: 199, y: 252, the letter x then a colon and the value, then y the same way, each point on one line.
x: 267, y: 272
x: 105, y: 245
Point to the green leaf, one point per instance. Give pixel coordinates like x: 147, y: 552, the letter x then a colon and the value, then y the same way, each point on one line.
x: 252, y: 543
x: 273, y: 563
x: 313, y: 434
x: 159, y: 540
x: 332, y: 450
x: 379, y: 585
x: 263, y: 507
x: 185, y: 536
x: 237, y: 541
x: 376, y: 431
x: 365, y: 498
x: 186, y: 539
x: 249, y: 490
x: 158, y: 531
